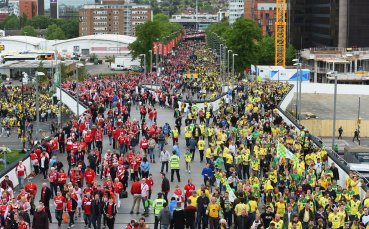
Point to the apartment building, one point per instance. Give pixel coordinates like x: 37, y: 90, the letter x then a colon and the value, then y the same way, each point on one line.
x: 28, y: 8
x: 262, y: 12
x: 236, y: 10
x: 112, y: 17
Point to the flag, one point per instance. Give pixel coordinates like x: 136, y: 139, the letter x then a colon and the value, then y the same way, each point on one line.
x: 232, y: 196
x: 283, y: 152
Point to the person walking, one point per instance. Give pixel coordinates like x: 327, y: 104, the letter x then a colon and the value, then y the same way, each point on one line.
x: 59, y: 201
x: 164, y: 159
x: 157, y: 205
x: 202, y: 205
x: 136, y: 193
x: 174, y: 166
x: 97, y: 208
x: 340, y: 131
x: 71, y: 207
x: 110, y: 210
x: 21, y: 173
x: 144, y: 197
x: 356, y: 136
x: 46, y: 194
x: 179, y: 217
x: 164, y: 217
x: 165, y: 186
x: 40, y: 218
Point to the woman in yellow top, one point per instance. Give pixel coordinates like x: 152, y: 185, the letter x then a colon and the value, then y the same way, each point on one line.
x: 213, y: 213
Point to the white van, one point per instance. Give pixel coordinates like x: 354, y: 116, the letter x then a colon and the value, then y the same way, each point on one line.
x: 117, y: 67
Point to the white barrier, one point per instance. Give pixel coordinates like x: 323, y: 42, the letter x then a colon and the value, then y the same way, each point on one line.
x: 69, y: 101
x: 342, y: 89
x: 12, y: 175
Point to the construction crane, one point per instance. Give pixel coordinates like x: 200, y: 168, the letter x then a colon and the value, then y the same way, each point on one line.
x: 280, y: 33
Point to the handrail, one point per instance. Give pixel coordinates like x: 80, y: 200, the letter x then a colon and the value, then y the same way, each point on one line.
x: 331, y: 153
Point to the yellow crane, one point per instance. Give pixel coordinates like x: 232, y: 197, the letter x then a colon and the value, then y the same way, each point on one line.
x: 280, y: 33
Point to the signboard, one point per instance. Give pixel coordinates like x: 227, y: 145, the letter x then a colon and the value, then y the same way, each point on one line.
x: 108, y: 49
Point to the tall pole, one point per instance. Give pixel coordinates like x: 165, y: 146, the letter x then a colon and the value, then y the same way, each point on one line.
x: 233, y: 68
x: 358, y: 122
x: 297, y: 96
x: 220, y: 61
x: 37, y: 108
x: 197, y: 21
x: 60, y: 98
x: 23, y: 118
x: 150, y: 51
x: 228, y: 62
x: 300, y: 89
x: 334, y: 112
x: 145, y: 64
x: 157, y: 67
x: 77, y: 92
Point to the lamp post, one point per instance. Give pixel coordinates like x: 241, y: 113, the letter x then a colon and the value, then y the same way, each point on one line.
x: 150, y: 51
x: 228, y: 61
x: 233, y: 68
x: 144, y: 58
x: 334, y: 112
x: 220, y: 60
x: 38, y: 74
x: 297, y: 64
x: 23, y: 115
x: 77, y: 87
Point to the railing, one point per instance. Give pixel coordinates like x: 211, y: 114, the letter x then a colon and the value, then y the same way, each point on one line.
x: 334, y: 156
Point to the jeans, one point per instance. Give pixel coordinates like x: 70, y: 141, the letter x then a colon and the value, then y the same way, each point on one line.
x: 54, y: 188
x: 96, y: 221
x: 21, y: 182
x: 59, y: 215
x: 201, y: 219
x: 164, y: 163
x: 71, y: 218
x: 87, y: 219
x: 151, y: 153
x: 172, y: 175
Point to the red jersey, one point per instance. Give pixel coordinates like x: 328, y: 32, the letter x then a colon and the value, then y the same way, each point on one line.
x: 86, y: 205
x: 59, y: 202
x: 118, y: 187
x: 21, y: 170
x: 188, y: 189
x: 62, y: 178
x: 144, y: 144
x: 99, y: 134
x: 23, y: 225
x: 90, y: 176
x: 31, y: 187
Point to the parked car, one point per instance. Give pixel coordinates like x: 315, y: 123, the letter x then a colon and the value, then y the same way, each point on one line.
x: 136, y: 68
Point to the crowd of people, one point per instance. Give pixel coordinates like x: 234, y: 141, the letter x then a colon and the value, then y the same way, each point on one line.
x: 248, y: 177
x: 18, y: 110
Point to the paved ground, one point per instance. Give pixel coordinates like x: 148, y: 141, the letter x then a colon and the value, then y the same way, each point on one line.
x: 322, y: 106
x: 123, y: 217
x: 344, y: 142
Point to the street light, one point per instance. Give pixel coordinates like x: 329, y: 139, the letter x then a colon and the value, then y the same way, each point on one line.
x: 298, y: 89
x: 233, y: 68
x: 150, y: 51
x: 144, y: 57
x: 77, y: 88
x: 25, y: 77
x: 228, y: 61
x: 220, y: 61
x: 334, y: 112
x: 38, y: 74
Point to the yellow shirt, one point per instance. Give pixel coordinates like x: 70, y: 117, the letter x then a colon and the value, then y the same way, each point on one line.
x: 201, y: 144
x: 278, y: 225
x: 335, y: 219
x: 214, y: 210
x: 281, y: 208
x: 193, y: 201
x: 239, y: 207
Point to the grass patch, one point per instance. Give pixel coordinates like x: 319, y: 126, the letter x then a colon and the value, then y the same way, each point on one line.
x: 13, y: 156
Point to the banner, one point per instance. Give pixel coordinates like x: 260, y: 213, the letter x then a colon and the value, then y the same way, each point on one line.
x: 283, y: 152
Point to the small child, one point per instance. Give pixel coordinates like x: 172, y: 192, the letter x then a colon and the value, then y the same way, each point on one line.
x: 188, y: 159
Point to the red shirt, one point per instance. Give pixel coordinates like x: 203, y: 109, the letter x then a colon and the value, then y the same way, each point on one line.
x: 62, y: 178
x: 21, y: 170
x: 99, y: 134
x: 59, y: 201
x: 144, y: 144
x: 189, y: 188
x: 136, y: 188
x: 149, y: 182
x: 86, y: 204
x: 118, y: 187
x: 90, y: 176
x: 23, y: 225
x: 31, y: 187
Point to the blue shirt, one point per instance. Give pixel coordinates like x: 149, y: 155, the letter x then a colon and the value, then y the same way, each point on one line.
x: 176, y: 149
x: 145, y: 166
x: 172, y: 206
x: 208, y: 172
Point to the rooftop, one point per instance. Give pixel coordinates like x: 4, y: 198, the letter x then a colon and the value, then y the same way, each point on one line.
x: 335, y: 55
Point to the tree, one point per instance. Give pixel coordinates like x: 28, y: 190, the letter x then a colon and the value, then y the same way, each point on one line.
x: 267, y: 51
x: 11, y: 22
x: 290, y: 54
x: 29, y: 31
x: 243, y: 38
x: 43, y: 80
x: 40, y: 22
x: 69, y: 27
x: 54, y: 32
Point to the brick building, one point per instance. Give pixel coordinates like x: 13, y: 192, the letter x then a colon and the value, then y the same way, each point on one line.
x: 112, y: 17
x: 28, y: 8
x: 263, y: 12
